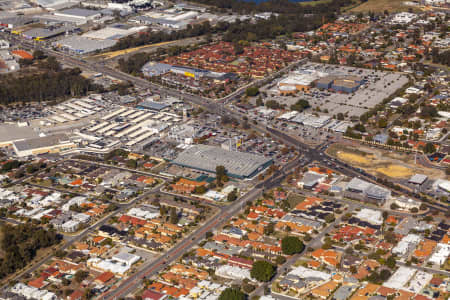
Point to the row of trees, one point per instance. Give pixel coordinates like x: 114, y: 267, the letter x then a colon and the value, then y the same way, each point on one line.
x: 441, y: 58
x: 45, y: 86
x: 276, y: 6
x: 293, y: 18
x: 20, y: 244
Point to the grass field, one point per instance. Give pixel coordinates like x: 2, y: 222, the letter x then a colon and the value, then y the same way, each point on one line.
x: 294, y: 199
x: 313, y: 3
x: 381, y: 6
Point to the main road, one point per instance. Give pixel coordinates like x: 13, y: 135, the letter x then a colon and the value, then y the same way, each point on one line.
x: 218, y: 107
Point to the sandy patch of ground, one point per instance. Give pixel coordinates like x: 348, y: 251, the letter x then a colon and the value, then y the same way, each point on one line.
x: 382, y: 162
x: 353, y: 158
x: 396, y: 171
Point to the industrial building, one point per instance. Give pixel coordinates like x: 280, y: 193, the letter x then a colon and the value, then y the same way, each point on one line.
x: 39, y: 145
x: 79, y: 13
x: 207, y: 158
x: 52, y: 4
x: 46, y: 33
x: 113, y: 32
x: 83, y: 45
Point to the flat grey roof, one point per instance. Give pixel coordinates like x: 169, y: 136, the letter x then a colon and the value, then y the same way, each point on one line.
x: 40, y: 142
x: 152, y: 105
x: 358, y: 184
x: 418, y: 179
x: 11, y: 133
x: 207, y: 158
x: 79, y: 12
x: 84, y: 45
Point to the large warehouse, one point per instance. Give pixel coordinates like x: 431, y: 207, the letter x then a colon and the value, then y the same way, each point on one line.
x: 207, y: 158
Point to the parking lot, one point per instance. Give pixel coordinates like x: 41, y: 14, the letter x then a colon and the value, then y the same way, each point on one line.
x: 377, y: 86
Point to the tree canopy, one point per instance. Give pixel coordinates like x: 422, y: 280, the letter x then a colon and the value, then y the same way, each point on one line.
x: 232, y: 294
x: 291, y: 245
x: 262, y: 270
x: 45, y: 86
x: 300, y: 105
x: 20, y: 244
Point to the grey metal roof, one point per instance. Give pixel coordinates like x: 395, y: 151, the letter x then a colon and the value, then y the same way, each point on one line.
x: 10, y: 133
x: 152, y: 105
x: 79, y: 12
x: 357, y: 184
x: 40, y: 142
x: 84, y: 45
x: 343, y: 292
x: 418, y: 178
x: 207, y: 158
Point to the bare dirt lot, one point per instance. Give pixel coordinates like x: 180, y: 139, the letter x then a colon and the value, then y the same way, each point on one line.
x: 382, y: 162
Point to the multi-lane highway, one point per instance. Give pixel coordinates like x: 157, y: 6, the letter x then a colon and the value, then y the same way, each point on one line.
x: 309, y: 154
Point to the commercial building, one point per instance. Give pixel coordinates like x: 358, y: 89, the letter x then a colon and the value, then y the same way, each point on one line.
x: 12, y: 133
x: 301, y: 82
x: 403, y: 18
x: 126, y: 258
x: 407, y: 203
x: 207, y: 158
x: 325, y: 82
x: 39, y: 145
x: 442, y: 185
x: 407, y: 244
x: 345, y: 84
x: 400, y: 278
x: 155, y: 69
x: 441, y: 254
x: 370, y: 215
x: 367, y: 191
x: 152, y: 105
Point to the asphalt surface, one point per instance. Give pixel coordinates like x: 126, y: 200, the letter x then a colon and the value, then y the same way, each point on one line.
x: 217, y: 107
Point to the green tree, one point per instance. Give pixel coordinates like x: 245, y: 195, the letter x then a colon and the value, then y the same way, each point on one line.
x: 262, y: 270
x: 38, y: 54
x: 252, y: 91
x: 81, y: 275
x: 232, y: 195
x: 385, y: 274
x: 280, y: 260
x: 232, y: 294
x: 221, y: 175
x: 382, y: 123
x: 291, y: 245
x: 429, y: 148
x: 390, y: 262
x: 173, y: 216
x: 300, y: 105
